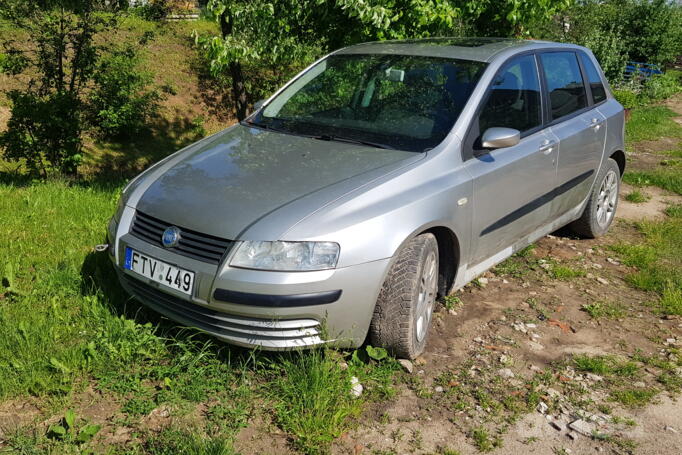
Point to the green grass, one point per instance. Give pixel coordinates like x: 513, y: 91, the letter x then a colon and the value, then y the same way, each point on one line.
x: 637, y: 197
x: 609, y: 310
x: 566, y: 272
x: 66, y: 326
x: 667, y: 178
x: 634, y: 397
x: 658, y: 260
x: 605, y: 366
x: 483, y: 441
x: 650, y: 123
x: 313, y: 398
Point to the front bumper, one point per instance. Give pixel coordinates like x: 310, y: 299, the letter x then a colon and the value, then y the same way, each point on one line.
x: 270, y: 310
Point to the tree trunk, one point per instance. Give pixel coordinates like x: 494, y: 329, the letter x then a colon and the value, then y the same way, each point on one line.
x: 236, y: 74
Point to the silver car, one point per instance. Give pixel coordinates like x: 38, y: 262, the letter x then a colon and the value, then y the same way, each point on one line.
x: 382, y: 176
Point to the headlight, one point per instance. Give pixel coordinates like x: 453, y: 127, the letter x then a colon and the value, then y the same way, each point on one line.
x: 286, y: 256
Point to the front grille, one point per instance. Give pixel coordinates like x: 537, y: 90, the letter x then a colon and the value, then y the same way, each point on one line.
x: 192, y: 244
x: 282, y: 333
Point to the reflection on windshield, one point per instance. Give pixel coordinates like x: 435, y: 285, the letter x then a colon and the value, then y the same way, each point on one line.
x: 404, y: 102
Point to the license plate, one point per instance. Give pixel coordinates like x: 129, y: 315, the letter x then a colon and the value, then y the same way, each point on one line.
x: 159, y: 271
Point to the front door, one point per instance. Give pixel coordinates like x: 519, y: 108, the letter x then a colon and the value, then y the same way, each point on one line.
x: 513, y: 186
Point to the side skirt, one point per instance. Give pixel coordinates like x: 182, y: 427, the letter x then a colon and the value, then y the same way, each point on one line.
x: 469, y: 273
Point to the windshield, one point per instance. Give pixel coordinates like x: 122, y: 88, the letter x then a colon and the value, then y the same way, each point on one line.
x: 404, y: 102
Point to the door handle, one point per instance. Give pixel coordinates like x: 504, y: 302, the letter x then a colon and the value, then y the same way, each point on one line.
x: 595, y: 124
x: 547, y: 147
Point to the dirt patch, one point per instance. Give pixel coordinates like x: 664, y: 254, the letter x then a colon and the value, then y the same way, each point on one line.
x: 262, y: 437
x: 652, y: 209
x: 525, y: 322
x: 15, y: 414
x: 5, y: 114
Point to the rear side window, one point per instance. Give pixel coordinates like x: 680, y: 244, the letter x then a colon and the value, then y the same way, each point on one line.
x: 597, y: 86
x: 564, y: 83
x: 514, y: 100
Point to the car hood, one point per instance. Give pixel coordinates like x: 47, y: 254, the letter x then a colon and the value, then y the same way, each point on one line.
x: 239, y: 176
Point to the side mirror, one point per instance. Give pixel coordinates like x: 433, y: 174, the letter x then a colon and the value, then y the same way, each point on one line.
x: 258, y: 104
x: 496, y: 138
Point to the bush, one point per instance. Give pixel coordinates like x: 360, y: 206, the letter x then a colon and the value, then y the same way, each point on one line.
x: 609, y: 49
x: 44, y: 132
x: 122, y: 100
x: 661, y: 86
x: 647, y: 31
x: 153, y: 10
x: 627, y: 97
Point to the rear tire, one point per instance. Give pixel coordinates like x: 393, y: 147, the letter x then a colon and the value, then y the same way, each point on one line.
x: 602, y: 203
x: 403, y: 311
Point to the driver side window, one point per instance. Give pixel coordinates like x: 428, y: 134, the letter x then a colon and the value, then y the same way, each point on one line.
x: 514, y: 100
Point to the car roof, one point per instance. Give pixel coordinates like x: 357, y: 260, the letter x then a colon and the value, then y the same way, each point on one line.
x: 471, y: 48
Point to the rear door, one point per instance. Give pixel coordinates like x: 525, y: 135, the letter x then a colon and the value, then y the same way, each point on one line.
x: 579, y: 127
x: 512, y: 186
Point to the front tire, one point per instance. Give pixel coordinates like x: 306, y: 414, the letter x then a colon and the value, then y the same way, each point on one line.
x: 601, y: 206
x: 402, y: 315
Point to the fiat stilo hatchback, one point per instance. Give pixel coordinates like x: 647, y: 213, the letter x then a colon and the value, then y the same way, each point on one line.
x: 383, y: 175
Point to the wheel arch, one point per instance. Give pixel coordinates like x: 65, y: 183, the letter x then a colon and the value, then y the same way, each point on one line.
x: 448, y: 257
x: 619, y: 157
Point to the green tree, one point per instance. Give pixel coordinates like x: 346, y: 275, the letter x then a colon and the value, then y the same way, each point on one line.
x: 46, y: 121
x: 122, y: 100
x: 267, y: 33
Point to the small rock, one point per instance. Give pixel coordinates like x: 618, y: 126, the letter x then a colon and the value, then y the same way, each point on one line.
x: 553, y: 393
x: 670, y: 341
x: 420, y: 361
x: 583, y: 427
x: 535, y: 369
x: 407, y: 365
x: 504, y: 358
x: 590, y: 276
x: 593, y: 377
x: 572, y: 434
x: 597, y: 266
x: 343, y: 365
x: 535, y: 346
x: 505, y: 373
x: 602, y: 280
x: 483, y: 281
x: 671, y: 429
x: 542, y: 407
x: 356, y: 387
x: 505, y: 281
x: 438, y: 389
x: 639, y: 384
x: 559, y: 426
x: 531, y: 326
x: 478, y: 340
x: 452, y: 312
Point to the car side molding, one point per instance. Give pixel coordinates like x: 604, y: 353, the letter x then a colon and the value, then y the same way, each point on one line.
x: 277, y: 301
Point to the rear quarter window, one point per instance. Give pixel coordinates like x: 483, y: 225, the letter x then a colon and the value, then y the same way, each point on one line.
x: 596, y: 84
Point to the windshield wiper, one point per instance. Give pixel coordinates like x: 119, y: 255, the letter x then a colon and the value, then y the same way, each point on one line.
x: 331, y: 137
x: 260, y: 125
